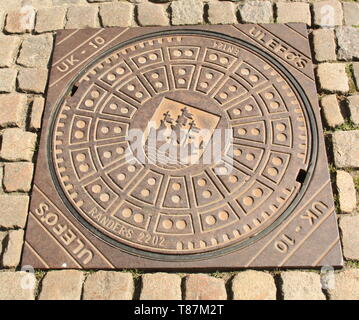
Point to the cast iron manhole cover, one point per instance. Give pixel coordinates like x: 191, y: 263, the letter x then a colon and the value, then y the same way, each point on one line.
x: 182, y: 148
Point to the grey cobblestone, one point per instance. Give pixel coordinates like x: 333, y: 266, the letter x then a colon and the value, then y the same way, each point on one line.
x: 351, y: 13
x: 204, y: 287
x: 20, y: 21
x: 17, y: 145
x: 350, y: 239
x: 324, y: 45
x: 150, y: 14
x: 348, y: 42
x: 346, y: 192
x: 12, y: 253
x: 94, y: 1
x: 187, y: 12
x: 32, y: 79
x: 116, y: 14
x: 11, y: 288
x: 293, y: 12
x: 331, y: 110
x: 2, y: 19
x: 62, y: 285
x: 299, y: 285
x: 161, y: 286
x: 82, y: 17
x: 12, y: 109
x: 256, y: 12
x: 49, y: 19
x: 328, y: 13
x: 36, y: 51
x: 3, y: 235
x: 13, y: 211
x: 39, y: 3
x: 7, y: 79
x: 353, y: 105
x: 68, y: 2
x: 37, y: 109
x: 222, y: 12
x: 18, y: 176
x: 346, y: 285
x: 11, y: 43
x: 10, y: 5
x: 109, y: 285
x: 254, y: 285
x: 355, y: 66
x: 346, y: 149
x: 333, y: 77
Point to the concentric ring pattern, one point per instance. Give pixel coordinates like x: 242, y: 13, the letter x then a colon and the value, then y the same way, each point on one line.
x: 181, y: 209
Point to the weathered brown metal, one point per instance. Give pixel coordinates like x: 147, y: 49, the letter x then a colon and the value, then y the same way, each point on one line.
x: 95, y: 205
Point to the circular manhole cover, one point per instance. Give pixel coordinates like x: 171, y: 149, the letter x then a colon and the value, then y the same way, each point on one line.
x: 136, y: 196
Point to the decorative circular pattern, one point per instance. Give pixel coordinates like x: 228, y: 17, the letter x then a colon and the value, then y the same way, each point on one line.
x: 178, y: 208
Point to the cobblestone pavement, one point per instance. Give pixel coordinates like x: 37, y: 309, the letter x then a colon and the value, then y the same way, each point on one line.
x: 25, y: 49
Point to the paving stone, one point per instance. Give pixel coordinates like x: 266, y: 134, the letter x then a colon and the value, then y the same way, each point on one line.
x: 204, y: 287
x: 12, y: 253
x: 346, y: 285
x: 109, y: 285
x: 187, y: 12
x: 331, y: 110
x: 3, y: 235
x: 324, y: 45
x: 299, y: 285
x: 116, y: 14
x: 161, y: 286
x: 49, y: 19
x: 346, y: 148
x: 7, y: 79
x: 353, y: 105
x: 328, y: 13
x: 293, y: 12
x: 254, y: 285
x: 64, y: 2
x: 13, y: 211
x: 257, y: 12
x: 81, y: 17
x: 12, y: 109
x: 351, y: 13
x: 32, y: 79
x: 222, y: 13
x: 12, y: 284
x: 10, y: 5
x: 40, y: 3
x: 356, y: 73
x: 2, y: 19
x: 36, y: 51
x: 20, y: 20
x: 150, y: 14
x: 346, y: 192
x: 37, y: 109
x: 350, y: 236
x: 348, y: 42
x: 18, y: 176
x: 17, y: 145
x: 333, y: 77
x: 11, y: 43
x: 62, y: 285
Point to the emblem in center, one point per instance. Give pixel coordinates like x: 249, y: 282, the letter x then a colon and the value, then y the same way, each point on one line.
x: 178, y: 134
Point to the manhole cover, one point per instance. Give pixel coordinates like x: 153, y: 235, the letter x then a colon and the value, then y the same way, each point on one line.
x: 182, y: 148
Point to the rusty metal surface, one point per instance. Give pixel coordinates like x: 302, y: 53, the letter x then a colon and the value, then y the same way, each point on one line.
x: 266, y: 203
